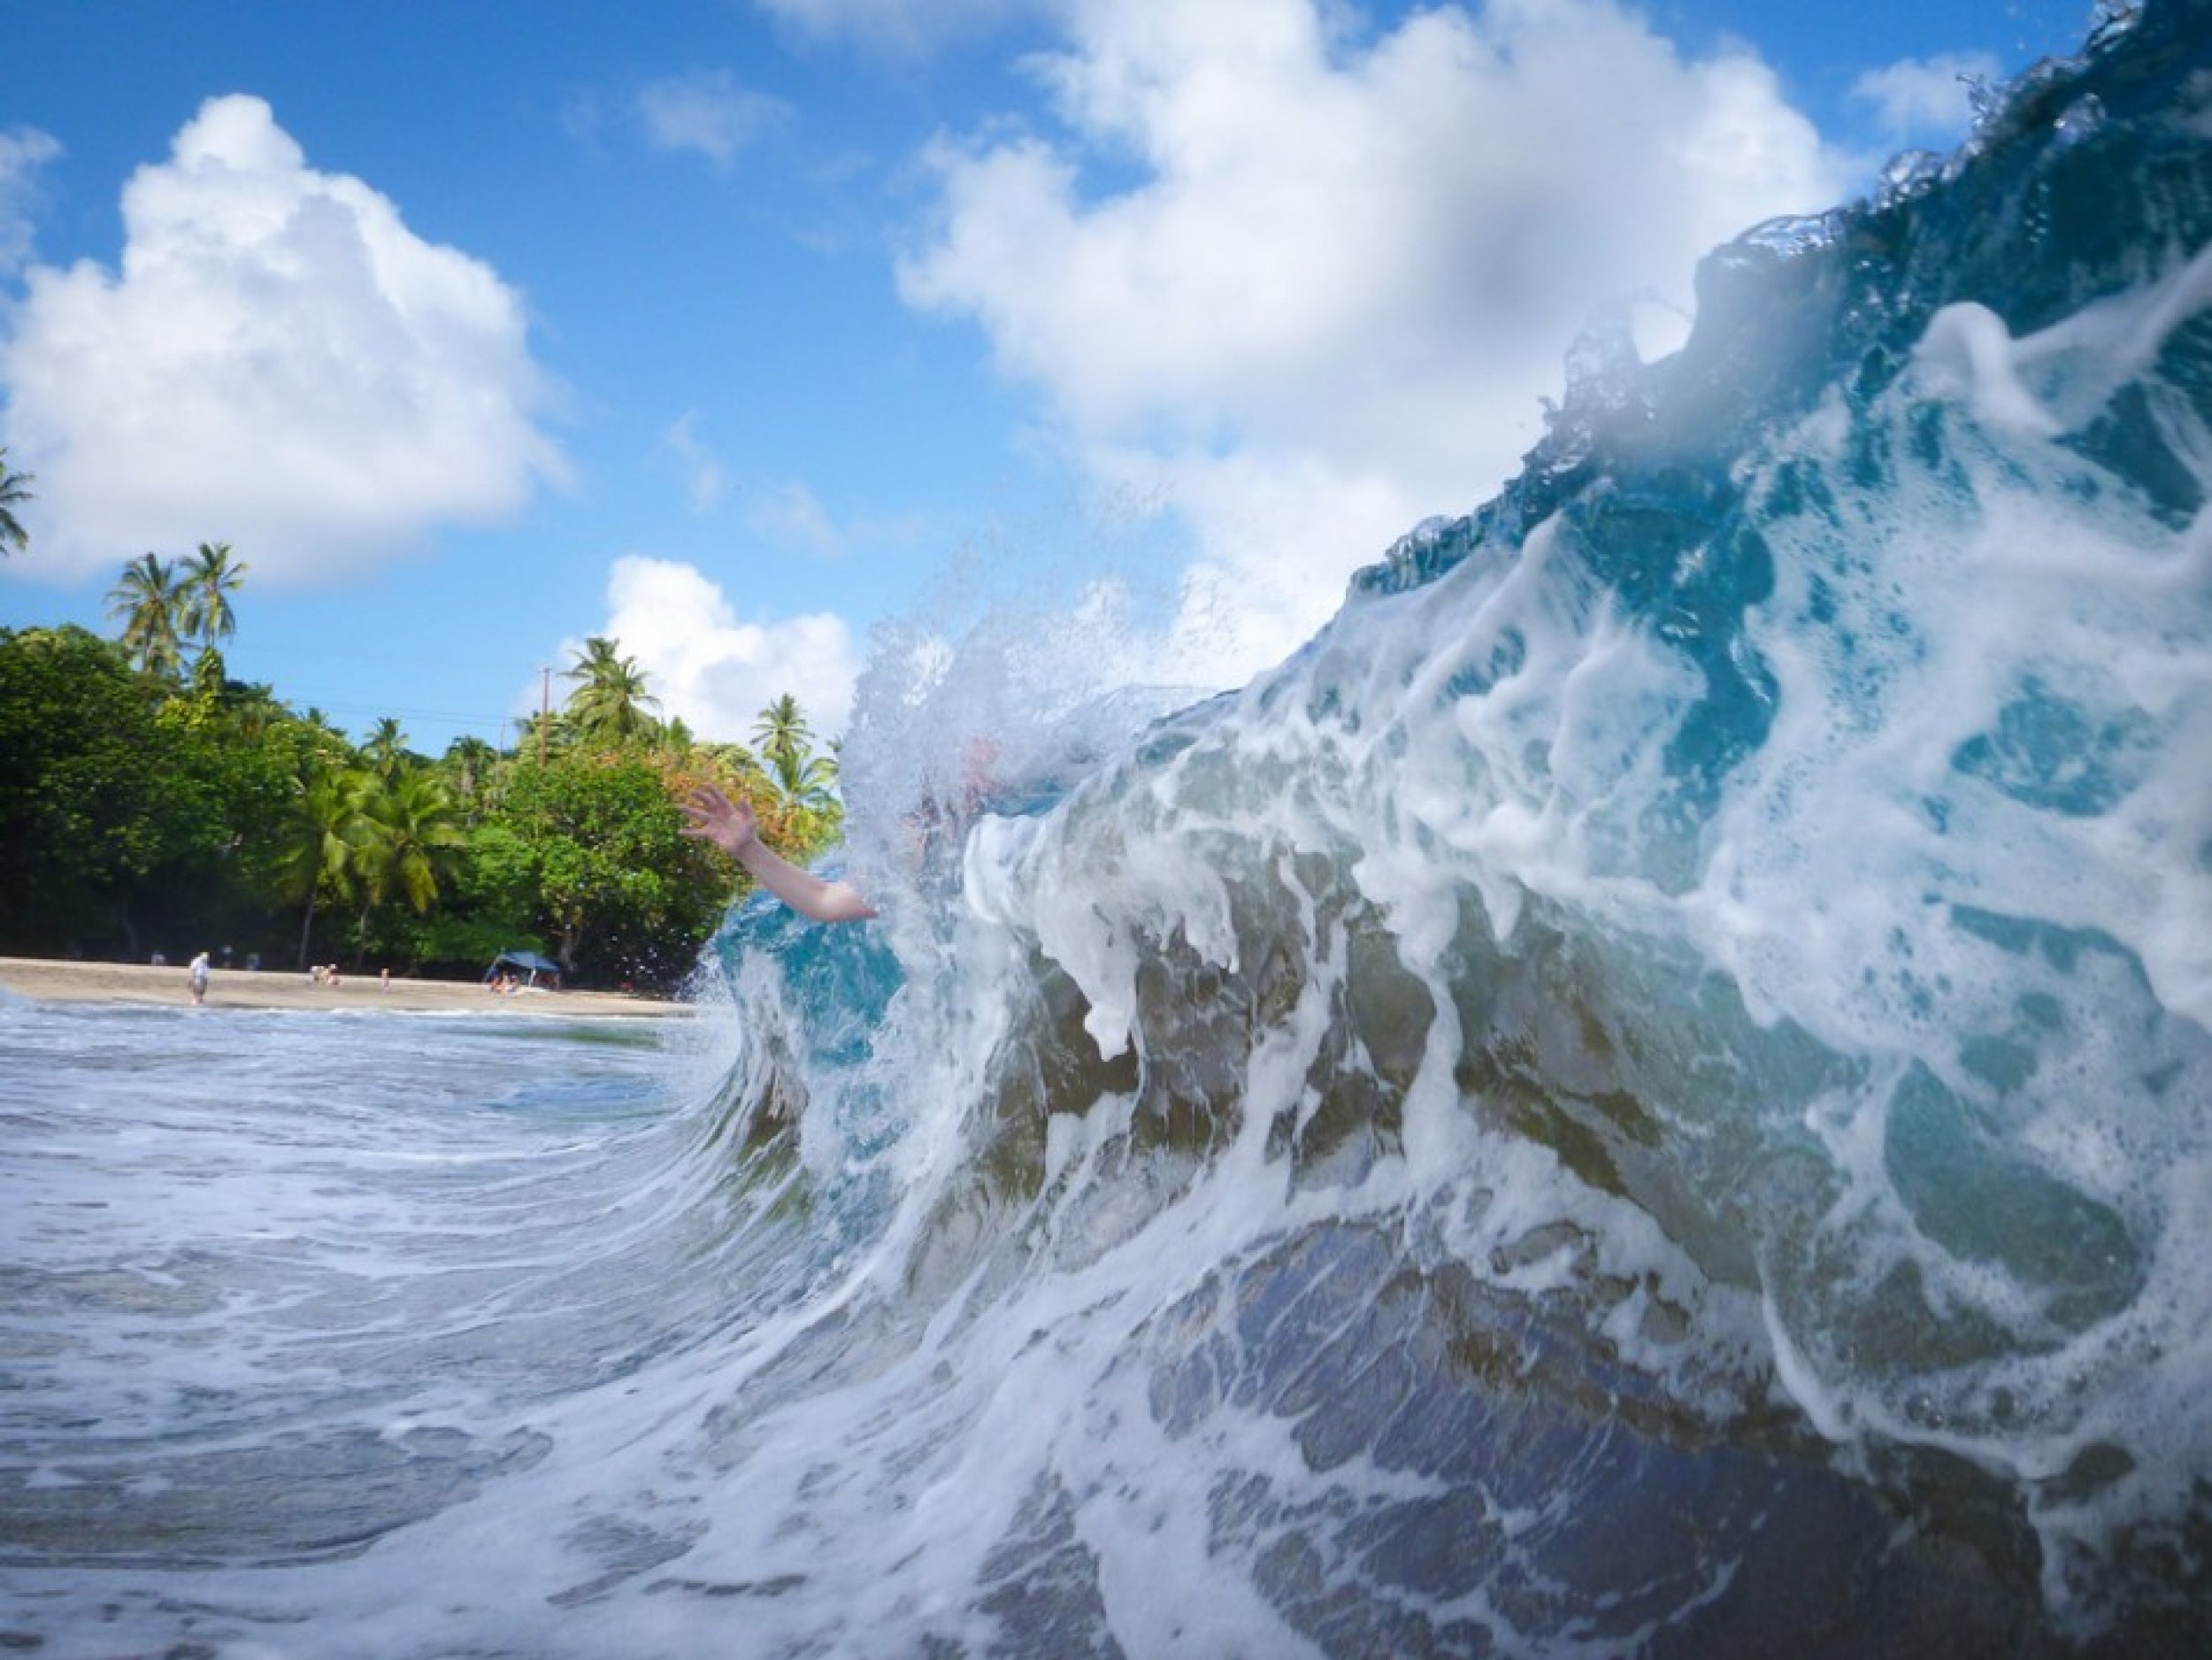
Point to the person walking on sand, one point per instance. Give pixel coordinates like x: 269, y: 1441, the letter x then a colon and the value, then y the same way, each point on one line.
x: 730, y: 826
x: 196, y: 978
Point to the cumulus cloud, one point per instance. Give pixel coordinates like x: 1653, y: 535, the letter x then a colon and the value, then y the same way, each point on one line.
x: 706, y: 110
x: 1926, y: 101
x: 713, y: 669
x: 24, y: 154
x: 279, y: 363
x: 1347, y: 270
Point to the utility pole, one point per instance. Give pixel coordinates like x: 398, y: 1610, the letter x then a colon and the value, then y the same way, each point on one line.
x: 545, y: 710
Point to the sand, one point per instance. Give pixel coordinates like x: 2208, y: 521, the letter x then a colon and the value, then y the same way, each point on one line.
x: 286, y: 988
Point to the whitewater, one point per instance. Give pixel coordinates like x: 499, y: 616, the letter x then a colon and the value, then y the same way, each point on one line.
x: 1649, y: 1092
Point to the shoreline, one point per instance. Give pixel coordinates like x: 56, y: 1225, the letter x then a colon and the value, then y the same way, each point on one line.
x: 51, y: 980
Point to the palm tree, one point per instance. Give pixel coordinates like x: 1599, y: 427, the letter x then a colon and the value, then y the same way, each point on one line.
x: 469, y: 760
x: 610, y: 704
x: 210, y: 577
x: 782, y: 733
x: 149, y: 603
x: 318, y: 855
x: 386, y: 748
x: 807, y: 781
x: 407, y: 839
x: 12, y: 494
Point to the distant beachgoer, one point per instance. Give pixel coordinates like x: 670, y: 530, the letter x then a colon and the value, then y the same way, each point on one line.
x: 197, y: 977
x: 384, y: 980
x: 730, y: 826
x: 330, y: 977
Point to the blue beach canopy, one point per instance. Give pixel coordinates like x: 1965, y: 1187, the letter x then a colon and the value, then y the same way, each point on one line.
x: 530, y: 962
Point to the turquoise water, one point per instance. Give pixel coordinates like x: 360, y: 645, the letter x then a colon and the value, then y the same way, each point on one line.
x: 1649, y: 1092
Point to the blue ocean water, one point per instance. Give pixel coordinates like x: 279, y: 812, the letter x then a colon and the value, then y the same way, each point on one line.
x: 1647, y: 1092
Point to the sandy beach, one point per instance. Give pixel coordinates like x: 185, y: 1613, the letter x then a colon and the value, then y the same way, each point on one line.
x: 274, y: 989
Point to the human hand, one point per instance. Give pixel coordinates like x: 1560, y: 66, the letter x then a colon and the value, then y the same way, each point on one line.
x: 715, y: 817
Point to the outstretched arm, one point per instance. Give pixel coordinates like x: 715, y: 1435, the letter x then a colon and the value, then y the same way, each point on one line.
x: 730, y: 826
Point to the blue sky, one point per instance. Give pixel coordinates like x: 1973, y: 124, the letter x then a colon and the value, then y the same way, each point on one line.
x: 739, y: 329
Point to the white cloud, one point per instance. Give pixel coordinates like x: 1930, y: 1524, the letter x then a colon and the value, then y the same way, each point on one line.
x: 280, y: 363
x: 24, y: 153
x: 1346, y: 271
x: 704, y: 469
x: 902, y: 25
x: 790, y: 513
x: 1926, y: 101
x: 714, y: 670
x: 706, y: 110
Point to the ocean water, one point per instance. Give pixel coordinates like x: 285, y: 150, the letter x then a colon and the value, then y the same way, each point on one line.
x: 1649, y: 1093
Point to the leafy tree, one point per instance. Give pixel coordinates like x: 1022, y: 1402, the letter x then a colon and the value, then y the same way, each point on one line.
x: 149, y: 602
x: 210, y: 577
x: 619, y: 889
x: 76, y: 727
x: 111, y: 817
x: 209, y: 683
x: 610, y: 704
x: 13, y: 496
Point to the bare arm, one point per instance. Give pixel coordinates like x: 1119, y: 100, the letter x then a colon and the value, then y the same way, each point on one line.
x: 731, y: 827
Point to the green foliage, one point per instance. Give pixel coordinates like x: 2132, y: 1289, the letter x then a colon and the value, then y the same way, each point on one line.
x: 123, y: 813
x: 620, y: 891
x: 313, y: 862
x: 144, y: 807
x: 149, y: 602
x: 386, y: 749
x: 610, y: 705
x: 210, y: 577
x: 13, y: 496
x: 407, y: 840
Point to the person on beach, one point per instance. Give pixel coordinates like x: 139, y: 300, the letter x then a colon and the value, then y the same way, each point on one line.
x: 196, y: 978
x: 730, y: 826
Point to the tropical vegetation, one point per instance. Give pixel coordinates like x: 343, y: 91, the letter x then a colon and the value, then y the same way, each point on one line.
x: 13, y: 537
x: 150, y: 803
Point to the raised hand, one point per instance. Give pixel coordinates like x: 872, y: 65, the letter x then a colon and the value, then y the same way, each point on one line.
x: 715, y: 817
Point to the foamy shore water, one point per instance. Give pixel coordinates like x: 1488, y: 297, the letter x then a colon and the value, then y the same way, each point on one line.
x: 52, y: 981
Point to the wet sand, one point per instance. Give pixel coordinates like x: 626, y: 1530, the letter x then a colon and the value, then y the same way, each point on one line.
x: 287, y: 989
